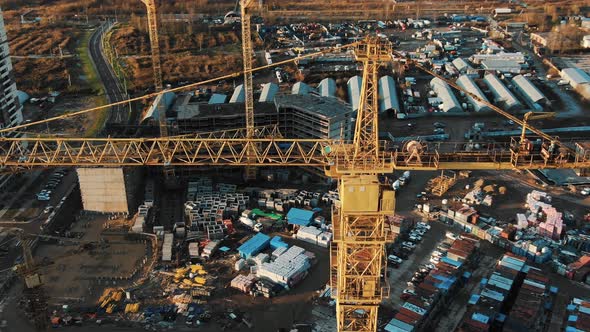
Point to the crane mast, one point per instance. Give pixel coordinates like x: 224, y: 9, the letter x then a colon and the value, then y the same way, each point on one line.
x: 360, y: 232
x: 248, y: 85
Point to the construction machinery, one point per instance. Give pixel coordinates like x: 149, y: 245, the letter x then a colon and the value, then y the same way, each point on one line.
x: 360, y: 231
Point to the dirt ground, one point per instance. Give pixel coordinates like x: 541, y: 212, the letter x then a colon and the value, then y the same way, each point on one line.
x: 71, y: 276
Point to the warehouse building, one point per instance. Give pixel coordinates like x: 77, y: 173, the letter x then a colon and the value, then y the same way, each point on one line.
x: 269, y: 91
x: 238, y: 95
x: 468, y: 84
x: 515, y: 57
x: 388, y: 99
x: 503, y: 66
x: 529, y: 92
x: 578, y: 79
x: 327, y: 87
x: 354, y: 91
x: 502, y: 95
x: 445, y: 93
x: 575, y: 77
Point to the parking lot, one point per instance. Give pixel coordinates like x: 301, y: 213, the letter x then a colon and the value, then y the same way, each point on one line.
x: 398, y: 277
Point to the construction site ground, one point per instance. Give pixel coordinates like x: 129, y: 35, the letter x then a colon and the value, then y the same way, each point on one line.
x: 71, y: 279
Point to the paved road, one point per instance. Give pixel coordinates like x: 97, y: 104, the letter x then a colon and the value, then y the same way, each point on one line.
x: 111, y: 84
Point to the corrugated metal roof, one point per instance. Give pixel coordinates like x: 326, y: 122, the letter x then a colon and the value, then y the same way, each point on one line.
x: 217, y: 98
x: 327, y: 87
x: 269, y: 90
x: 254, y: 245
x: 501, y: 92
x: 444, y: 92
x: 575, y: 76
x: 299, y: 217
x: 300, y: 88
x: 467, y: 83
x: 461, y: 65
x: 388, y: 94
x: 238, y: 96
x: 528, y: 89
x: 354, y: 91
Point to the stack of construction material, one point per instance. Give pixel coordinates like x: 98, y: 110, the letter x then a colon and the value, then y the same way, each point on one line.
x: 540, y: 202
x: 288, y: 269
x: 210, y: 248
x: 244, y: 283
x: 240, y: 264
x: 167, y: 247
x: 261, y: 258
x: 193, y: 250
x: 309, y: 234
x: 278, y: 251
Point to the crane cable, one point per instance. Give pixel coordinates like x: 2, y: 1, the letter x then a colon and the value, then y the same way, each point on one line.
x: 181, y: 88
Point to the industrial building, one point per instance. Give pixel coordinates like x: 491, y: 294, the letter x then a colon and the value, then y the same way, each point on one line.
x: 529, y: 92
x: 578, y: 79
x: 10, y: 109
x: 354, y: 91
x: 468, y: 84
x: 503, y: 66
x: 502, y: 95
x: 575, y: 77
x: 515, y: 57
x: 388, y: 99
x: 327, y: 87
x: 445, y: 93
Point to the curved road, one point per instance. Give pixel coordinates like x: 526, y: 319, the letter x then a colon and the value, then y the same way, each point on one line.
x: 112, y: 86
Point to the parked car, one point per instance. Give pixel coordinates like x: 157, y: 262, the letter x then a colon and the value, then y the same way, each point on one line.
x: 423, y: 225
x: 409, y: 244
x: 415, y: 238
x: 48, y: 209
x: 394, y: 259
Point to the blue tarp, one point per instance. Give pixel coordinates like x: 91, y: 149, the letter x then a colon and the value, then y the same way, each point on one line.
x: 474, y: 298
x: 253, y: 246
x: 299, y: 217
x: 224, y: 249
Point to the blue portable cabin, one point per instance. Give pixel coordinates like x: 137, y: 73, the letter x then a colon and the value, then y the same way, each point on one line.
x: 255, y: 245
x: 300, y: 217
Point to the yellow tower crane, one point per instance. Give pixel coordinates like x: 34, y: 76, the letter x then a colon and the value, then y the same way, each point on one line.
x: 360, y: 230
x: 247, y: 50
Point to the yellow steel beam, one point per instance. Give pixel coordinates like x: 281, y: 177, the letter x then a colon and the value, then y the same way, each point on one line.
x: 336, y: 156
